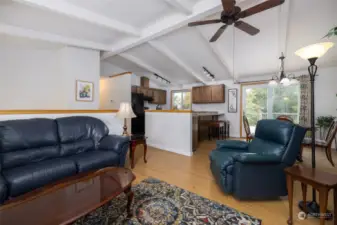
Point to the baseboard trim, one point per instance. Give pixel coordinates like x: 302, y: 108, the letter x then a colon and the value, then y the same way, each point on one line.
x: 170, y: 149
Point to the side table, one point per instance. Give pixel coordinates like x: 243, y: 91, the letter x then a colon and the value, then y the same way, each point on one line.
x: 319, y: 180
x: 134, y: 141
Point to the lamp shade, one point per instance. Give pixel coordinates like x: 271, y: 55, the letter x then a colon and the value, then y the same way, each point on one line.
x: 314, y: 51
x: 125, y: 111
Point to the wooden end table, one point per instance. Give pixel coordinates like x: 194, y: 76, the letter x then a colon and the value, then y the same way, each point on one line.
x: 134, y: 141
x: 319, y: 180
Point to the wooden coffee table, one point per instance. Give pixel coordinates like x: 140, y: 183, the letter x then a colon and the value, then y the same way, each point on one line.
x: 65, y: 201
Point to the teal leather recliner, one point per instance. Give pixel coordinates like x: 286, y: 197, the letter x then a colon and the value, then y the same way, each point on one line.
x: 255, y: 170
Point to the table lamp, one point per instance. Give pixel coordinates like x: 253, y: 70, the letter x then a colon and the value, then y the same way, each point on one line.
x: 125, y: 112
x: 312, y: 53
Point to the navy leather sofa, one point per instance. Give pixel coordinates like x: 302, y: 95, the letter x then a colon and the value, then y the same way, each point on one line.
x: 35, y: 152
x: 255, y: 170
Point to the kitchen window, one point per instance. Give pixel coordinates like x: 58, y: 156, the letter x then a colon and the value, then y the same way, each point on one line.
x: 181, y: 100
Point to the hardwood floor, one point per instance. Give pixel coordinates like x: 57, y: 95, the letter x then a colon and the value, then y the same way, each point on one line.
x: 193, y: 174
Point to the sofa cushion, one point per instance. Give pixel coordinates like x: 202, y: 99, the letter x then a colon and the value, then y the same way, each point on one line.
x: 27, y: 156
x: 29, y: 177
x: 3, y: 190
x: 26, y: 141
x: 26, y: 134
x: 95, y: 160
x: 79, y: 128
x: 77, y: 147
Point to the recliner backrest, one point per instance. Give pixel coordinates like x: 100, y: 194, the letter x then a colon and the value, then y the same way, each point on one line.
x: 26, y: 141
x: 80, y: 134
x: 271, y: 137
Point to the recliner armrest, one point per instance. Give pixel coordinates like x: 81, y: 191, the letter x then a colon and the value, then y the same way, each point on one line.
x: 232, y: 144
x: 3, y: 190
x: 114, y: 143
x: 254, y: 158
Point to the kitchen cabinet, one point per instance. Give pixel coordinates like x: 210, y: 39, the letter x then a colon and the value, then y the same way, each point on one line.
x: 158, y: 95
x: 208, y: 94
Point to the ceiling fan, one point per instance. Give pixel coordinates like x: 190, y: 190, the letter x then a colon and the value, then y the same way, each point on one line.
x: 231, y: 15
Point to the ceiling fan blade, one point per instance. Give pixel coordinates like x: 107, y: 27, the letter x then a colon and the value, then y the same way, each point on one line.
x: 246, y: 27
x: 218, y: 33
x: 204, y: 22
x: 228, y: 5
x: 260, y: 7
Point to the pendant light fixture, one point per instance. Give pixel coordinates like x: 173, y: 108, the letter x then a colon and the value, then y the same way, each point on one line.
x: 283, y: 79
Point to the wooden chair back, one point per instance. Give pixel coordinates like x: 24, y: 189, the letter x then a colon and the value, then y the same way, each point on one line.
x: 246, y: 125
x: 285, y: 118
x: 331, y: 133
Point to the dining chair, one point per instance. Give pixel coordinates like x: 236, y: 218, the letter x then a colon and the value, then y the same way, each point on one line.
x: 326, y: 143
x: 249, y: 135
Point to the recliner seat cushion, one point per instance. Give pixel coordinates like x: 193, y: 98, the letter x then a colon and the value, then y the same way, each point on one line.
x: 94, y: 160
x: 29, y: 177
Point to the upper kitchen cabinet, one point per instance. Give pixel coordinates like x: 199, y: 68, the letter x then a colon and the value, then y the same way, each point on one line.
x: 208, y: 94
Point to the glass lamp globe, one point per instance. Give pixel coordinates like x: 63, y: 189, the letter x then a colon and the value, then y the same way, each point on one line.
x: 293, y: 81
x: 272, y: 83
x: 285, y: 81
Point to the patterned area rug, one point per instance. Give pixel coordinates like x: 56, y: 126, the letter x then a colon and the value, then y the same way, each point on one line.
x: 157, y: 202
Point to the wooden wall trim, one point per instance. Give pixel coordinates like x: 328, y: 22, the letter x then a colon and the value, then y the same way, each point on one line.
x: 120, y: 74
x: 51, y: 111
x: 169, y: 111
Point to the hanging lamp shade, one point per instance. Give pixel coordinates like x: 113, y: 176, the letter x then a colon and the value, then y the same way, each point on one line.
x: 314, y: 51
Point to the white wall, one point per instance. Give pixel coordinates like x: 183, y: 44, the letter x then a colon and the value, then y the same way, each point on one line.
x: 107, y: 69
x: 35, y: 77
x: 114, y: 90
x: 169, y: 131
x: 79, y: 64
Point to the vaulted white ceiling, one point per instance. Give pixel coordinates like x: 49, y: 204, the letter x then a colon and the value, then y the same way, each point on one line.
x: 151, y: 36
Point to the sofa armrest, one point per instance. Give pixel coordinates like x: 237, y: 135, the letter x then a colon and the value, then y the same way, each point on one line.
x: 232, y: 144
x: 254, y: 158
x: 3, y: 190
x: 114, y: 143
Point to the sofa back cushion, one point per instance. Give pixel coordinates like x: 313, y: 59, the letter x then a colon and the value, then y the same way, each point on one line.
x: 26, y: 141
x: 271, y: 137
x: 80, y: 134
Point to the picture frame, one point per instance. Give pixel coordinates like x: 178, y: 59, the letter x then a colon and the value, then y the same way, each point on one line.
x: 84, y: 91
x: 233, y: 100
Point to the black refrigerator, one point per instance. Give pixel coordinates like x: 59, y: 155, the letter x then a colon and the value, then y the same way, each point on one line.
x: 138, y: 123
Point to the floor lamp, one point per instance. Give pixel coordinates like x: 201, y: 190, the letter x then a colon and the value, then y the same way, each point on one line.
x: 312, y: 53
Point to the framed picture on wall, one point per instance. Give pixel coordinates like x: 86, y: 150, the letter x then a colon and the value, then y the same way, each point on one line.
x: 232, y: 100
x: 84, y: 91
